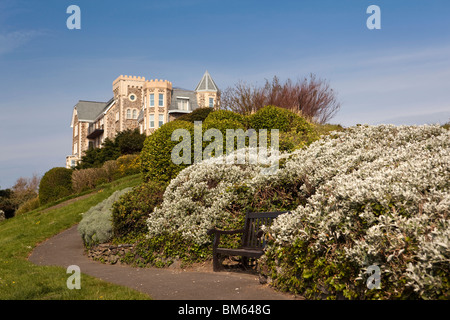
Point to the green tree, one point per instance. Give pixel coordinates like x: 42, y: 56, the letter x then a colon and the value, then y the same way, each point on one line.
x: 126, y: 142
x: 156, y: 156
x: 55, y: 184
x: 130, y: 141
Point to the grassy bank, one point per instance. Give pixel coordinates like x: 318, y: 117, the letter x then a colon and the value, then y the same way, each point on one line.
x: 22, y: 280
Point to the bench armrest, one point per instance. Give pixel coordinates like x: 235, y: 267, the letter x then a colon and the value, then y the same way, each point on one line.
x: 217, y: 234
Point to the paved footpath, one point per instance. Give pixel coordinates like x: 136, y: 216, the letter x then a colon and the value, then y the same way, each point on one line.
x: 67, y: 249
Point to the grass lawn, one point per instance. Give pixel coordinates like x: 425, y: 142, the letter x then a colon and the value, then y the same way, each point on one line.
x: 22, y: 280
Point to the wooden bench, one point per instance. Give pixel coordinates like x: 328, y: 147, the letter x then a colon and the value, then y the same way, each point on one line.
x: 253, y: 238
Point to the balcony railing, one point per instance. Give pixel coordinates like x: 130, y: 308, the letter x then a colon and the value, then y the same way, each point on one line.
x: 94, y: 132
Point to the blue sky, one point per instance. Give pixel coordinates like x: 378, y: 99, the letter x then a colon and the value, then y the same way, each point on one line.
x: 399, y: 74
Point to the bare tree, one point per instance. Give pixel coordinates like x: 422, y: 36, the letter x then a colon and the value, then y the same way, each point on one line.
x: 311, y: 97
x: 25, y: 189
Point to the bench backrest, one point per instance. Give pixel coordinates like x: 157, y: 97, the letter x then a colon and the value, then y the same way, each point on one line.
x: 253, y: 223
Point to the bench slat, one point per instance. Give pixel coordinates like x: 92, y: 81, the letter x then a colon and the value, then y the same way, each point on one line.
x: 251, y: 253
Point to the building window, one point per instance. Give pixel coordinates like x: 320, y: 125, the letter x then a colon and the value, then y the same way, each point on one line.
x: 161, y: 120
x: 135, y: 115
x: 152, y: 100
x: 117, y: 116
x: 211, y: 102
x: 132, y: 97
x: 75, y: 148
x: 152, y: 121
x: 76, y: 131
x: 161, y: 100
x: 183, y: 104
x: 128, y: 113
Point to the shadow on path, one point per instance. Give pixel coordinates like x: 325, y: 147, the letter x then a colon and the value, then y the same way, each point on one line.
x: 67, y: 249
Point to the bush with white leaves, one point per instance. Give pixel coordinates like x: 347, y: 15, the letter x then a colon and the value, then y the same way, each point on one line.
x: 96, y: 225
x: 371, y: 195
x: 379, y: 196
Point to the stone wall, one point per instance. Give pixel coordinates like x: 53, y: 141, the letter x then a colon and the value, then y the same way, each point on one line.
x: 109, y: 254
x: 84, y: 140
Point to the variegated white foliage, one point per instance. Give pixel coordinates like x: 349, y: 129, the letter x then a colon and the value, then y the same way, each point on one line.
x: 211, y: 181
x: 392, y: 180
x: 370, y: 188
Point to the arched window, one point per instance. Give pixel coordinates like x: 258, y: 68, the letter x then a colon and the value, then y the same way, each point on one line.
x: 135, y: 114
x: 128, y: 113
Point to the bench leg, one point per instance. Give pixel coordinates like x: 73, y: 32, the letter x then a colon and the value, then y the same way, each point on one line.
x: 216, y: 262
x: 245, y: 262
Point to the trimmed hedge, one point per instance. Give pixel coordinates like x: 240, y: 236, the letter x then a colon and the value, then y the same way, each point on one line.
x: 271, y: 117
x: 226, y: 115
x: 156, y: 155
x: 55, y: 184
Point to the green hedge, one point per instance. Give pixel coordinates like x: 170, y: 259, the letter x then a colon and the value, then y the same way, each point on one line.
x: 156, y: 155
x: 313, y: 276
x: 55, y: 184
x: 271, y: 117
x: 130, y: 212
x: 226, y: 115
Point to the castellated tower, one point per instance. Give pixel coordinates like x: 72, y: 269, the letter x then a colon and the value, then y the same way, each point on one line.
x: 128, y: 99
x: 155, y: 108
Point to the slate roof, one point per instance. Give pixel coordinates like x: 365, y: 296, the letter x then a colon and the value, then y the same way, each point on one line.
x: 178, y: 92
x: 206, y: 84
x: 89, y: 110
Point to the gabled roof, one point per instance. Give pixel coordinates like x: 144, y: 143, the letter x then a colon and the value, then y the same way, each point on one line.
x: 89, y: 110
x: 206, y: 84
x: 108, y: 106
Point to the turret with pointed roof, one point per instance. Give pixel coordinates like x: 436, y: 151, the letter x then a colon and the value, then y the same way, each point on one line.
x: 206, y: 84
x: 207, y: 92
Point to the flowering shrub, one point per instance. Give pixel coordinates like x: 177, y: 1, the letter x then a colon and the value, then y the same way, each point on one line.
x: 378, y: 196
x: 128, y: 164
x: 370, y: 195
x: 207, y: 194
